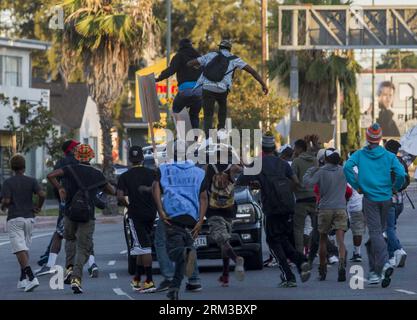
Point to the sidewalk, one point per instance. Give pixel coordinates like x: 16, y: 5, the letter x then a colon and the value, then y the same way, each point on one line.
x: 44, y: 222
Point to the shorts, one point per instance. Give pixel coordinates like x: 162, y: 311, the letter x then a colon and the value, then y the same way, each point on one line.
x: 141, y: 236
x: 60, y: 224
x: 220, y: 229
x: 357, y: 223
x: 332, y: 219
x: 20, y: 233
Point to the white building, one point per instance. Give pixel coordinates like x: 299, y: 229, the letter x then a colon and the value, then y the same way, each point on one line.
x: 15, y: 82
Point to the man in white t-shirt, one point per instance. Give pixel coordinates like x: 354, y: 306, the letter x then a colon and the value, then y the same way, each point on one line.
x: 217, y: 79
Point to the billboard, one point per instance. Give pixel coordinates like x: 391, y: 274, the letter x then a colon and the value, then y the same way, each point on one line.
x: 396, y: 97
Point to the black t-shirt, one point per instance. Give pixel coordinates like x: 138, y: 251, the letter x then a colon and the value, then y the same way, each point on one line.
x: 20, y: 189
x: 227, y: 213
x: 141, y: 204
x: 88, y: 176
x: 68, y: 160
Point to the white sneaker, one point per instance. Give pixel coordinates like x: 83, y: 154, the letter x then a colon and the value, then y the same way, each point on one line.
x: 400, y: 257
x: 333, y: 260
x: 392, y: 261
x: 373, y: 278
x: 136, y: 251
x: 31, y: 285
x: 21, y: 284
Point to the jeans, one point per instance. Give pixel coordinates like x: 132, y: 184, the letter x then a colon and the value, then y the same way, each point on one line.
x: 165, y: 264
x: 185, y: 100
x: 393, y: 241
x: 209, y: 100
x: 376, y: 219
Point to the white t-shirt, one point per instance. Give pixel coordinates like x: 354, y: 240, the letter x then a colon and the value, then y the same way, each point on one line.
x: 226, y: 83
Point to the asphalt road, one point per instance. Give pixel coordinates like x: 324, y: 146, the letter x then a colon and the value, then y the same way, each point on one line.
x: 113, y: 281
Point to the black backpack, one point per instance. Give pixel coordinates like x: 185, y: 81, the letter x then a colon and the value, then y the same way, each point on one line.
x: 216, y: 69
x: 80, y: 208
x: 280, y: 198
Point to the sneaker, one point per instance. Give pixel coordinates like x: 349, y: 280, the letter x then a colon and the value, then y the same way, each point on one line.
x: 288, y: 284
x: 333, y: 260
x: 392, y: 261
x: 224, y: 280
x: 93, y: 271
x: 399, y: 258
x: 341, y: 274
x: 136, y: 284
x: 21, y: 284
x: 305, y: 272
x: 164, y: 286
x: 68, y: 274
x: 322, y: 272
x: 373, y: 278
x: 44, y: 271
x: 136, y: 251
x: 76, y: 286
x: 31, y: 285
x: 191, y: 256
x: 268, y: 261
x: 356, y: 258
x: 43, y: 260
x: 148, y: 287
x: 193, y: 287
x: 240, y: 269
x: 172, y: 294
x: 402, y: 263
x: 386, y: 274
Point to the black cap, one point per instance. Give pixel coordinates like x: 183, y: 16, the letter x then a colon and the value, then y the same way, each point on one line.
x: 135, y: 154
x: 393, y: 146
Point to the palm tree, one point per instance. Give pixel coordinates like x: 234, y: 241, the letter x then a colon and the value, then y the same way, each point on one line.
x: 106, y: 35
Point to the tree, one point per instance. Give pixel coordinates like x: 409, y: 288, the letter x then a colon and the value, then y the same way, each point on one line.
x: 396, y: 59
x: 108, y: 35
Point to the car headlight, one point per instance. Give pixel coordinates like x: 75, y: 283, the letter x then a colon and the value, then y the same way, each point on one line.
x: 245, y: 213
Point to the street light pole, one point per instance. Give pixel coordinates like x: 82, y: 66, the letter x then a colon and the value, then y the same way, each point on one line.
x: 373, y: 82
x: 168, y: 40
x: 265, y: 53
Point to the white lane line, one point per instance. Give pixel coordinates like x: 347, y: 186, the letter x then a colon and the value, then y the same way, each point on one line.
x: 120, y: 292
x: 113, y: 276
x: 111, y: 263
x: 34, y: 237
x: 405, y: 291
x: 123, y: 252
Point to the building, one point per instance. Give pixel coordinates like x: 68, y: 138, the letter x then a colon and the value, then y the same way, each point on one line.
x: 16, y: 85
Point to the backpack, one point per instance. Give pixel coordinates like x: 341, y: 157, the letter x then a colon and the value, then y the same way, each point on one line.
x: 222, y: 190
x: 216, y: 69
x: 80, y: 207
x: 280, y: 200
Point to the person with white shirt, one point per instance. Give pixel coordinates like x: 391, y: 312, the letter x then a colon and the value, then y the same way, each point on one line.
x: 216, y: 80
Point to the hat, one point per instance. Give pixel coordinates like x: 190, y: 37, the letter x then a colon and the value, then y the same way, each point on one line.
x: 268, y: 141
x: 226, y: 44
x: 374, y: 134
x: 69, y: 145
x: 135, y: 154
x: 84, y: 153
x: 284, y: 147
x: 320, y: 154
x: 393, y: 146
x: 332, y: 155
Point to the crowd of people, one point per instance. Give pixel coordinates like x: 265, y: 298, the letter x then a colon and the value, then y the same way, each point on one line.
x: 298, y: 184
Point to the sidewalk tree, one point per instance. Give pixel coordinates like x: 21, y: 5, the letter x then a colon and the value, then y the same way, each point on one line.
x: 107, y: 35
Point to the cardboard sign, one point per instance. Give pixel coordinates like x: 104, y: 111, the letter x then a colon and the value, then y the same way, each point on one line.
x: 300, y: 129
x: 148, y: 98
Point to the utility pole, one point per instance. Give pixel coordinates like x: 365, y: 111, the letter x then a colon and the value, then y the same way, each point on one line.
x: 265, y: 53
x: 338, y: 117
x: 373, y: 82
x: 168, y: 41
x: 294, y: 77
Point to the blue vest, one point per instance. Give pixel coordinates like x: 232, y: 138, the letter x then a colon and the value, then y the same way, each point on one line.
x: 181, y: 184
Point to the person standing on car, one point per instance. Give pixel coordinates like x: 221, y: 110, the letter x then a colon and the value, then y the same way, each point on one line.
x: 181, y: 199
x: 17, y: 196
x: 221, y: 210
x: 278, y: 207
x: 187, y: 78
x: 216, y: 81
x: 136, y: 184
x: 82, y: 184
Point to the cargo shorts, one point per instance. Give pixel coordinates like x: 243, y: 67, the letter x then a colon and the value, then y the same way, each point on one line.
x: 20, y: 233
x: 332, y: 219
x: 357, y: 223
x: 220, y: 229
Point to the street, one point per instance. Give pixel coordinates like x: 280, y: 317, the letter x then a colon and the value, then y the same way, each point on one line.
x: 114, y: 281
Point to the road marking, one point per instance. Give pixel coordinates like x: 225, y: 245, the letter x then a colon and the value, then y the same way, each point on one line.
x: 112, y: 263
x: 34, y: 237
x: 113, y: 276
x: 120, y: 292
x: 123, y: 252
x: 405, y: 291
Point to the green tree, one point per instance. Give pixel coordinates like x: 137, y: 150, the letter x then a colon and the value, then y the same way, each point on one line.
x: 397, y: 59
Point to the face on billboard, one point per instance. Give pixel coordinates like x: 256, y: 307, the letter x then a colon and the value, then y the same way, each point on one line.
x: 386, y: 97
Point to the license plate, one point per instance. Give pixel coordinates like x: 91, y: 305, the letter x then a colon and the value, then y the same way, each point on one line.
x: 201, y: 241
